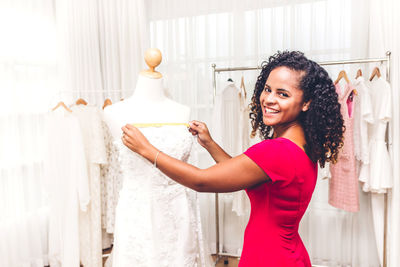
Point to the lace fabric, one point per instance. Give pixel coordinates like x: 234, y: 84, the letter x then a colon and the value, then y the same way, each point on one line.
x: 157, y: 220
x: 90, y: 221
x: 111, y: 183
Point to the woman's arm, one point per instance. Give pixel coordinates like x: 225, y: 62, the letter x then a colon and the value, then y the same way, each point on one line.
x: 230, y: 175
x: 204, y: 138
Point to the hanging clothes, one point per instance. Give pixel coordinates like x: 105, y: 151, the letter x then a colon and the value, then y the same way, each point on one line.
x: 343, y: 186
x: 363, y: 116
x: 66, y: 185
x: 231, y: 131
x: 379, y: 174
x: 227, y: 124
x: 111, y: 184
x: 241, y: 203
x: 90, y: 221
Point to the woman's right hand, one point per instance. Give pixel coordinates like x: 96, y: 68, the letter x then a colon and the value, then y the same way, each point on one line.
x: 203, y: 135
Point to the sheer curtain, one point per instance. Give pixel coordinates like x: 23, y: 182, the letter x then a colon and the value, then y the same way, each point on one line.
x: 101, y: 48
x: 28, y: 75
x: 54, y: 50
x: 384, y: 35
x: 192, y: 35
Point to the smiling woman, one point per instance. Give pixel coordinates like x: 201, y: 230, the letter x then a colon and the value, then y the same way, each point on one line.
x: 282, y: 100
x: 304, y: 93
x: 296, y: 109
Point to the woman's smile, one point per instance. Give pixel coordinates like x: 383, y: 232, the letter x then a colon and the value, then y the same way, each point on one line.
x: 270, y: 111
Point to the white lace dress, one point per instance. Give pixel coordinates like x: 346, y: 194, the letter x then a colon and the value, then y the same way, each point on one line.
x: 111, y: 183
x: 157, y: 220
x: 90, y: 221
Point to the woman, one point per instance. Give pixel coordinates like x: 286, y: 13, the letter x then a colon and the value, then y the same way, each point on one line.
x: 295, y: 108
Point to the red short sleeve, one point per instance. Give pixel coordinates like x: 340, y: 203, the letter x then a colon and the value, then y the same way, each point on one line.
x: 274, y: 157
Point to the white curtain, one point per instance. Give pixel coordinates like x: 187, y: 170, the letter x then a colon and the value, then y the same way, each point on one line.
x: 28, y: 75
x: 101, y: 48
x: 192, y: 35
x: 385, y: 36
x: 54, y: 50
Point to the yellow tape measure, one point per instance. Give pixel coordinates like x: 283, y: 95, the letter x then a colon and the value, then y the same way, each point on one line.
x: 144, y: 125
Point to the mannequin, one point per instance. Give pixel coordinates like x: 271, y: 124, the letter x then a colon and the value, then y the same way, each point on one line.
x: 156, y: 219
x: 148, y: 104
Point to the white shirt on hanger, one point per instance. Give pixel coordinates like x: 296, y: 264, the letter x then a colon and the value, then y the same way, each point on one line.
x: 362, y: 117
x: 66, y: 185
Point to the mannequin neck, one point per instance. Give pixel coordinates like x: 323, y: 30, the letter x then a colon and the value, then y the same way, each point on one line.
x: 149, y: 89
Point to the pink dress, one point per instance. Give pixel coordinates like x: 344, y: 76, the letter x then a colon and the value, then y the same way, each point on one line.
x: 271, y: 237
x: 343, y: 186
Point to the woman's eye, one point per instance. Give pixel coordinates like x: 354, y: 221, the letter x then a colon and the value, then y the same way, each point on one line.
x: 266, y: 89
x: 284, y: 94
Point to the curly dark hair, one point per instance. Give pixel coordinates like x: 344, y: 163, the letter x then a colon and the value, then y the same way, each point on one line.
x: 322, y: 122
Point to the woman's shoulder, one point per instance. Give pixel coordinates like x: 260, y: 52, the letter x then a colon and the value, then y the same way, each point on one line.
x: 280, y: 147
x: 277, y: 148
x: 275, y: 157
x: 276, y: 143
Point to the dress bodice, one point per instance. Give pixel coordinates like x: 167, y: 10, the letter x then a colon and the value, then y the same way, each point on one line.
x: 174, y: 141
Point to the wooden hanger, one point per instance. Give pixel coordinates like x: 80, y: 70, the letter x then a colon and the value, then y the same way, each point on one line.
x: 375, y: 72
x: 107, y: 102
x: 342, y: 74
x: 61, y: 104
x: 243, y: 87
x: 81, y: 101
x: 359, y: 73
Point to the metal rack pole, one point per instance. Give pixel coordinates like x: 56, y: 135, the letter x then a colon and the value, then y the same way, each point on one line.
x: 95, y: 91
x: 323, y: 63
x: 385, y: 205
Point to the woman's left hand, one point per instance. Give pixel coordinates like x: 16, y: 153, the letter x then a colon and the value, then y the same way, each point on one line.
x: 133, y: 138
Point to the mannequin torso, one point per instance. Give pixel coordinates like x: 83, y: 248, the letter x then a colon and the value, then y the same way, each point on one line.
x: 148, y: 104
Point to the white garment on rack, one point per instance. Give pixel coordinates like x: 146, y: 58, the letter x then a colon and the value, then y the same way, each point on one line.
x: 111, y: 184
x: 227, y: 124
x: 362, y: 117
x: 378, y: 176
x: 378, y: 215
x: 230, y: 129
x: 241, y: 203
x: 157, y: 220
x: 90, y: 235
x: 66, y: 185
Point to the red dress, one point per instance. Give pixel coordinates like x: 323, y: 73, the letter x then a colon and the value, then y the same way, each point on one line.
x: 271, y: 237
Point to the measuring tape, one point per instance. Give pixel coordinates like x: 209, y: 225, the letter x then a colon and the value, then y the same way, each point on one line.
x: 144, y: 125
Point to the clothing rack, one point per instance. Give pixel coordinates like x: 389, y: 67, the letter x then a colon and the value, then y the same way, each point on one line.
x: 107, y: 94
x: 95, y: 91
x: 216, y: 70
